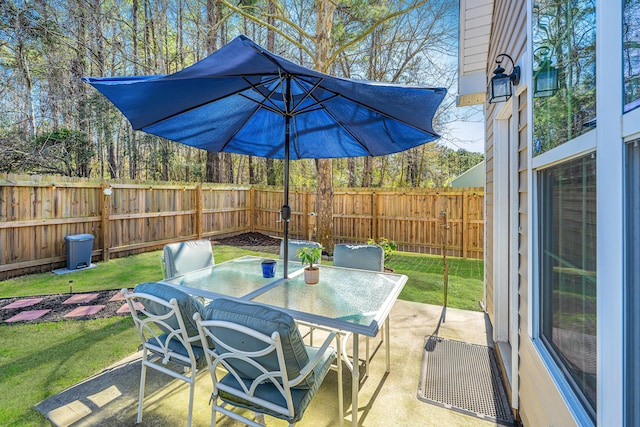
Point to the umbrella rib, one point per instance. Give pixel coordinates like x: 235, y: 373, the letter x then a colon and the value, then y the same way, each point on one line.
x: 355, y: 138
x: 369, y: 107
x: 195, y: 107
x: 262, y: 105
x: 307, y: 95
x: 235, y: 132
x: 266, y: 98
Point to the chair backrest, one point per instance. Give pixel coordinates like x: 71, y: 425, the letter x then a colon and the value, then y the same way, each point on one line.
x: 164, y: 319
x: 247, y: 330
x: 269, y: 369
x: 294, y: 245
x: 183, y: 257
x: 364, y: 257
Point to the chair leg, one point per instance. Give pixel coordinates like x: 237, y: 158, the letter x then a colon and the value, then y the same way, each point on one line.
x: 192, y: 386
x: 339, y: 370
x: 213, y: 411
x: 143, y: 378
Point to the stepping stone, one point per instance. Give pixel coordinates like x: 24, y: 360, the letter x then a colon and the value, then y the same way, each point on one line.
x: 27, y: 315
x: 85, y: 310
x: 117, y: 297
x: 125, y: 308
x: 22, y: 303
x: 80, y: 298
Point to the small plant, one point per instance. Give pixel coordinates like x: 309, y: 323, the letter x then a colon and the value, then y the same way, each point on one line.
x: 387, y: 245
x: 309, y: 255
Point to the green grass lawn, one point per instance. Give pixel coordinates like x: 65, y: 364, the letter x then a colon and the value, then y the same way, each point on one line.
x: 40, y: 360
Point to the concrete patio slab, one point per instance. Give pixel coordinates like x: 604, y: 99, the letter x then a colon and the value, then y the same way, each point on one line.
x: 84, y: 310
x: 386, y: 399
x: 117, y: 297
x: 80, y: 298
x: 125, y: 308
x: 28, y: 302
x: 27, y: 315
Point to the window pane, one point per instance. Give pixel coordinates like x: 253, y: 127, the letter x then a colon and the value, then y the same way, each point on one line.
x: 632, y: 398
x: 568, y: 271
x: 564, y: 41
x: 631, y: 55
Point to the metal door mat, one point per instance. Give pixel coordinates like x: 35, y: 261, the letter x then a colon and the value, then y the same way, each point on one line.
x: 465, y: 378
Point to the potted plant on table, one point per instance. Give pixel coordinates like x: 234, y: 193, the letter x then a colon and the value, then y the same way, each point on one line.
x: 310, y: 256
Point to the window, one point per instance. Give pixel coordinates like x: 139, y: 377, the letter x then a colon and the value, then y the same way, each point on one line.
x: 564, y: 46
x: 632, y: 297
x: 567, y: 276
x: 631, y: 54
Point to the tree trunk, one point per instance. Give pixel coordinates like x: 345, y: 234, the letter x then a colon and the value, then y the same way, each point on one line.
x: 228, y: 168
x: 212, y: 167
x: 325, y: 204
x: 324, y: 22
x: 212, y: 173
x: 351, y: 171
x: 366, y: 173
x: 252, y: 172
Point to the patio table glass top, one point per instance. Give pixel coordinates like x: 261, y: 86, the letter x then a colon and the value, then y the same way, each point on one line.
x: 346, y: 299
x: 361, y: 298
x: 238, y: 278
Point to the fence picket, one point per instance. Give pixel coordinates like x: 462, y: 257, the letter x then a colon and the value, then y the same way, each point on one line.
x: 35, y: 216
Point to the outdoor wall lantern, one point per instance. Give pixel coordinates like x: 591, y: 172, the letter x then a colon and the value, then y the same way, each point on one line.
x: 545, y: 79
x: 500, y: 86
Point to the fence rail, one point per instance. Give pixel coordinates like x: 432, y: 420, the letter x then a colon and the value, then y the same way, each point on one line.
x: 125, y: 218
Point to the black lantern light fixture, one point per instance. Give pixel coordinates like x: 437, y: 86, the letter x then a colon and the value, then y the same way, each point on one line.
x: 545, y: 78
x: 500, y: 86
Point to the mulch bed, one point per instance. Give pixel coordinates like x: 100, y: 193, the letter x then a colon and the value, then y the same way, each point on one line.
x: 58, y: 310
x: 250, y: 241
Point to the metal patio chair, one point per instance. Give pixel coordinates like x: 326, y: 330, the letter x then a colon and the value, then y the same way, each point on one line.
x: 269, y: 369
x: 183, y: 257
x: 163, y: 317
x: 294, y: 245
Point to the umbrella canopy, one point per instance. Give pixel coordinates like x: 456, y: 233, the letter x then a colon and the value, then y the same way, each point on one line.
x: 244, y: 99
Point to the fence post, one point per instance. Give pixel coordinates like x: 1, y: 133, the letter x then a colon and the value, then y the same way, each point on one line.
x: 465, y: 224
x: 104, y: 221
x: 374, y: 215
x: 305, y: 216
x: 199, y: 211
x: 252, y: 207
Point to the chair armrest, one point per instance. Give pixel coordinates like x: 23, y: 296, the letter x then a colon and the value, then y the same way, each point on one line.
x: 308, y: 368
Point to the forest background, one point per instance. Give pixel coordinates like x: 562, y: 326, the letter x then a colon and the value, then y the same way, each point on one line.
x: 53, y: 123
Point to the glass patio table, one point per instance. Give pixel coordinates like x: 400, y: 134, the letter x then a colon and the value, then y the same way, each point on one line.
x: 345, y: 299
x: 239, y: 278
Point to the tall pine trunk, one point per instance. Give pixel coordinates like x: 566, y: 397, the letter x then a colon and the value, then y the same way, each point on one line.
x: 324, y: 22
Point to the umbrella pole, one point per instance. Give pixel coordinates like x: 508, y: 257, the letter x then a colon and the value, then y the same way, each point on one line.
x: 286, y: 209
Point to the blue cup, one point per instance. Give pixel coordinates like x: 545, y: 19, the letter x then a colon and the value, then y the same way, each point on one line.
x: 269, y: 268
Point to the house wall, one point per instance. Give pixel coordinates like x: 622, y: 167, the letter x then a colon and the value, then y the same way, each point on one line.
x: 541, y: 393
x: 536, y: 397
x: 509, y: 18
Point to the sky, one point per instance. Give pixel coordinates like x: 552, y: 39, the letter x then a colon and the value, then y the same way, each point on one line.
x: 468, y: 133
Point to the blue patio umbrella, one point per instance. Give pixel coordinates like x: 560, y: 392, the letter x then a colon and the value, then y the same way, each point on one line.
x: 244, y: 99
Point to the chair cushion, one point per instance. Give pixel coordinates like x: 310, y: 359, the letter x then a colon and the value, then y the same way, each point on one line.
x: 294, y: 245
x: 183, y: 257
x: 364, y: 257
x: 265, y: 320
x: 177, y: 347
x: 301, y: 396
x: 188, y: 305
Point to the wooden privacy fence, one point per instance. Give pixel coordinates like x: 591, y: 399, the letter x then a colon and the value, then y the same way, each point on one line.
x: 125, y: 219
